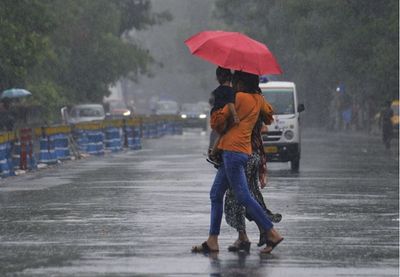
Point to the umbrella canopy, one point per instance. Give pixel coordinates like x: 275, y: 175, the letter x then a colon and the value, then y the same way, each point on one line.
x: 233, y: 50
x: 15, y: 93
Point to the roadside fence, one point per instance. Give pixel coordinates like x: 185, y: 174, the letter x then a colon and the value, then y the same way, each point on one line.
x: 31, y: 148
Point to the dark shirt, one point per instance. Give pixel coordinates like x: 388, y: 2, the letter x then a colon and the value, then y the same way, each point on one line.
x: 221, y: 96
x: 387, y: 115
x: 6, y: 120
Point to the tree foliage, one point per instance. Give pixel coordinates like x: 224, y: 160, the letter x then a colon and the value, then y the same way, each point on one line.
x: 72, y: 51
x: 321, y: 43
x: 24, y: 41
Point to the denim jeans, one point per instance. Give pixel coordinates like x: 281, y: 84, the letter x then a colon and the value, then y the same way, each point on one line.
x: 232, y: 173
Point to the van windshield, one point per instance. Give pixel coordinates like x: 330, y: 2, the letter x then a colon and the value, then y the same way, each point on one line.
x: 88, y: 112
x: 281, y: 99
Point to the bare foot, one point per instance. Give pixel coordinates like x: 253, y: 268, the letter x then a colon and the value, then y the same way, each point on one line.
x: 273, y: 235
x: 213, y: 244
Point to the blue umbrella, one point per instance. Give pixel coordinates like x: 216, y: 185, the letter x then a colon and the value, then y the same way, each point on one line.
x: 15, y: 93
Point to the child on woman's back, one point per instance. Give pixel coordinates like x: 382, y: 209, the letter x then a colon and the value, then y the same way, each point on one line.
x: 221, y: 96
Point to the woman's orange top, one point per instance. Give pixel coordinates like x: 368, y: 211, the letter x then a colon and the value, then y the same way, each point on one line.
x: 248, y: 107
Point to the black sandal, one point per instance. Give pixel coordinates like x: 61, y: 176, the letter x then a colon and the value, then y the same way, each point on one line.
x: 262, y: 240
x: 276, y: 218
x: 240, y: 246
x: 272, y: 245
x: 203, y: 248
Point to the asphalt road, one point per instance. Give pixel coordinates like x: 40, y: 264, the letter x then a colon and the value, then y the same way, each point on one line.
x: 138, y: 213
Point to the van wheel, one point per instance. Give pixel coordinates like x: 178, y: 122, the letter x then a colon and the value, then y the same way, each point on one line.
x: 295, y: 165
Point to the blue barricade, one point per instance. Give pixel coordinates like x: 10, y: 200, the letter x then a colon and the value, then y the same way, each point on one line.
x: 61, y: 146
x: 16, y: 155
x: 17, y: 151
x: 95, y: 145
x: 177, y: 128
x: 134, y: 138
x: 169, y: 128
x: 5, y: 157
x: 113, y: 139
x: 82, y: 140
x: 47, y: 154
x: 146, y: 130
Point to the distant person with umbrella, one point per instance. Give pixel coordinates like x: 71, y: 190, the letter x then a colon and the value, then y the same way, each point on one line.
x: 385, y: 121
x: 7, y: 117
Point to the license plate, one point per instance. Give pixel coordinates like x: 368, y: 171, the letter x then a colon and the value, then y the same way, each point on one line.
x: 270, y: 149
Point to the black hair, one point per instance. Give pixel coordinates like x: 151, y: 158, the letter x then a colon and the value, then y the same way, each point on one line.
x: 223, y: 75
x: 249, y: 81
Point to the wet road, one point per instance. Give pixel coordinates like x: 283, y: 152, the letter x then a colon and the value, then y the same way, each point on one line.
x: 137, y: 213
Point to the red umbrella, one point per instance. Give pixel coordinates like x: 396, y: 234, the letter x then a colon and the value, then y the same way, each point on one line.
x: 234, y: 51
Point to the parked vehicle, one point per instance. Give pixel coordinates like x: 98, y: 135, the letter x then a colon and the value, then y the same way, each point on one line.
x: 166, y: 107
x: 282, y: 141
x: 204, y: 106
x: 86, y: 113
x: 193, y: 116
x: 117, y: 109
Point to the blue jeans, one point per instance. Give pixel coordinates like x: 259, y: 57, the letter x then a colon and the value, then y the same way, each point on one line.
x: 232, y: 173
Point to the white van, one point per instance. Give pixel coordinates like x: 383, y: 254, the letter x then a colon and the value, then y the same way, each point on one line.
x: 282, y: 141
x: 86, y: 113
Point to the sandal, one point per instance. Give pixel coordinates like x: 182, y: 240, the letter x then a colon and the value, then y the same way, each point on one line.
x: 213, y: 162
x: 262, y: 240
x: 276, y: 218
x: 270, y: 246
x: 203, y: 248
x: 240, y: 245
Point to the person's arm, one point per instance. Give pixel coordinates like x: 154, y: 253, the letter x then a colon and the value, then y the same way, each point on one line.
x: 218, y: 119
x: 267, y: 111
x: 232, y: 110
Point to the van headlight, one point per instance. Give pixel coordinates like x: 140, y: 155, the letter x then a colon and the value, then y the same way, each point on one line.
x: 289, y: 135
x: 183, y: 115
x: 202, y: 116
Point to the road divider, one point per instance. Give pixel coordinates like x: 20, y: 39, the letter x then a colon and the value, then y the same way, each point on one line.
x: 32, y: 148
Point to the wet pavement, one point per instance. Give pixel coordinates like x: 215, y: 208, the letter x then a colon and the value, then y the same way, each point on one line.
x: 138, y: 213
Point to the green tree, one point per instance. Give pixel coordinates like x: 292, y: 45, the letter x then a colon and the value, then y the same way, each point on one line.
x: 90, y: 53
x: 72, y: 51
x: 320, y: 43
x: 25, y: 26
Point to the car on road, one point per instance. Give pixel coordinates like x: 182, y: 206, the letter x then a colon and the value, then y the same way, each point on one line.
x: 204, y: 106
x: 193, y: 115
x: 117, y: 109
x: 86, y: 113
x: 166, y: 107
